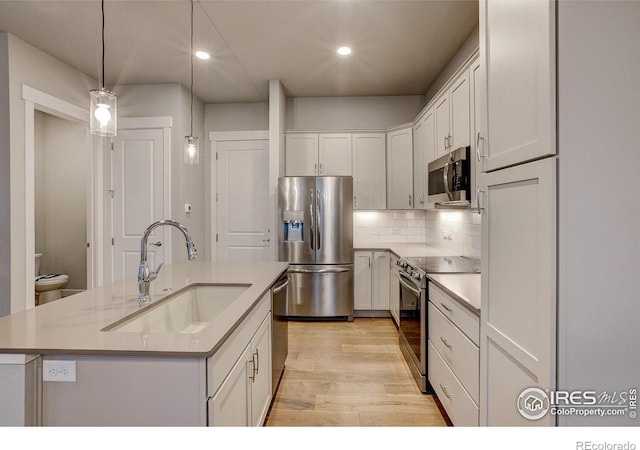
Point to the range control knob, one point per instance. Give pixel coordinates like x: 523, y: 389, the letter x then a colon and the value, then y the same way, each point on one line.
x: 416, y: 275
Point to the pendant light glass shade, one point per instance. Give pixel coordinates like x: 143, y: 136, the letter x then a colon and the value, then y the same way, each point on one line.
x: 103, y: 105
x: 191, y: 143
x: 104, y: 113
x: 191, y: 150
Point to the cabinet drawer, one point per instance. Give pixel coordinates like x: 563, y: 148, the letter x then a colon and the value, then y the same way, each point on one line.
x: 461, y: 409
x: 461, y: 355
x: 220, y: 364
x: 464, y: 319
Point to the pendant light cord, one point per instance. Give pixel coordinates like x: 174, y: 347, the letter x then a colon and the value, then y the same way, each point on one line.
x: 191, y: 90
x: 102, y: 85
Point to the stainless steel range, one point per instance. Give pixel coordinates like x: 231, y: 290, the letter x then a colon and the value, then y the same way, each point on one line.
x: 412, y: 274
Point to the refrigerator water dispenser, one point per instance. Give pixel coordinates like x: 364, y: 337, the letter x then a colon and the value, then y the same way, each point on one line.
x: 293, y: 226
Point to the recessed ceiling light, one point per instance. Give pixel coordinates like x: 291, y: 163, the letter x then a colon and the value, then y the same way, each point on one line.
x: 344, y: 51
x: 202, y: 55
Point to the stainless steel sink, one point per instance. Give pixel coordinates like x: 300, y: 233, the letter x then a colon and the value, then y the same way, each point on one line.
x: 187, y: 311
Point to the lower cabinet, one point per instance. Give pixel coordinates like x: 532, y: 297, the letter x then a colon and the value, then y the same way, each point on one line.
x: 394, y: 291
x: 239, y: 374
x: 371, y: 281
x: 243, y: 398
x: 454, y: 357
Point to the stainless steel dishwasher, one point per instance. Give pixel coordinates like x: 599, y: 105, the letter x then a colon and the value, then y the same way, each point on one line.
x: 279, y: 329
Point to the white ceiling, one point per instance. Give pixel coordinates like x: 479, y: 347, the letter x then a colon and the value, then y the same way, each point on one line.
x: 399, y: 47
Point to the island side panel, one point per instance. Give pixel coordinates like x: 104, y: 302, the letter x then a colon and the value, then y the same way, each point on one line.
x: 128, y: 391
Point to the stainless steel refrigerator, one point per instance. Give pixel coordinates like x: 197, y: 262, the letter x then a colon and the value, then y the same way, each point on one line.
x: 316, y: 238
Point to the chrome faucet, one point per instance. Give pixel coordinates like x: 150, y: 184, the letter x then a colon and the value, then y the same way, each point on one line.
x: 145, y: 276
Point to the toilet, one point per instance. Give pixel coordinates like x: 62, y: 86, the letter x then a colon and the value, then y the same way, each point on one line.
x: 48, y: 286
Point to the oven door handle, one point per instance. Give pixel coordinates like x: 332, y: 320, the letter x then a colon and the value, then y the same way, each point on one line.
x: 417, y: 292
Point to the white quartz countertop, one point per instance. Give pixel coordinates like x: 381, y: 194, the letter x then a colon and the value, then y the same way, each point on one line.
x: 72, y: 325
x: 464, y: 287
x: 403, y: 249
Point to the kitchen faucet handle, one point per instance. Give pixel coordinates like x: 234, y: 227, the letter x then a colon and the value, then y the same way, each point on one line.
x: 154, y: 275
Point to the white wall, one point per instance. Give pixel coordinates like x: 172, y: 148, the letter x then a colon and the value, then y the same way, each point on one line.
x: 61, y: 197
x: 236, y: 117
x: 26, y: 65
x: 468, y: 47
x: 351, y: 113
x: 5, y: 180
x: 187, y: 181
x: 598, y: 210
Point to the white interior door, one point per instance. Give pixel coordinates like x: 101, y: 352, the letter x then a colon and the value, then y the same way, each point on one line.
x: 138, y: 198
x: 243, y: 217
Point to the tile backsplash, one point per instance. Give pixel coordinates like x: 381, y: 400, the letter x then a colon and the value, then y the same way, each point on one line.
x: 457, y: 231
x: 374, y: 227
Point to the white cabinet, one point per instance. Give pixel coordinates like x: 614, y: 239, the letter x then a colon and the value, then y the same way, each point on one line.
x: 452, y: 116
x: 239, y: 374
x: 308, y: 154
x: 423, y: 154
x: 394, y: 291
x: 518, y: 308
x: 478, y: 130
x: 369, y: 171
x: 400, y: 169
x: 518, y: 57
x: 371, y: 281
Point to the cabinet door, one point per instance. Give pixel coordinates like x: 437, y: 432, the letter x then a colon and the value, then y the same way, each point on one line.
x: 362, y: 280
x: 442, y: 116
x: 459, y: 98
x: 301, y: 155
x: 430, y: 141
x: 380, y: 282
x: 230, y: 406
x: 477, y: 128
x: 260, y: 376
x: 400, y: 169
x: 518, y: 308
x: 419, y: 164
x: 517, y: 48
x: 334, y: 154
x: 369, y: 171
x: 394, y: 292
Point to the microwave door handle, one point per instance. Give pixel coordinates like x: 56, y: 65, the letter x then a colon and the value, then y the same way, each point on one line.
x: 446, y: 181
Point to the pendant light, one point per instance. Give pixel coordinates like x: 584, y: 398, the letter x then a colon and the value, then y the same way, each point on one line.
x: 103, y: 104
x: 191, y: 142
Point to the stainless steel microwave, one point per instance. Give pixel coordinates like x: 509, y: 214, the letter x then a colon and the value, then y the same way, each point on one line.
x: 450, y: 179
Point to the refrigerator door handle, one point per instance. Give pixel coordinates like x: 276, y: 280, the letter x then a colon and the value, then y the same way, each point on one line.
x: 311, y: 214
x: 332, y: 270
x: 319, y: 212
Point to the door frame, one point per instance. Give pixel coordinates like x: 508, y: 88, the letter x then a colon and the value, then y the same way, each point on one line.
x: 216, y: 137
x: 164, y: 123
x: 36, y: 100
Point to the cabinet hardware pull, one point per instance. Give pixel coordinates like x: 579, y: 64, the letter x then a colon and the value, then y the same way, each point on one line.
x: 409, y: 199
x: 266, y: 240
x: 444, y: 341
x: 478, y: 200
x: 252, y: 375
x: 315, y: 168
x: 446, y: 145
x: 355, y: 202
x: 157, y: 244
x: 444, y: 389
x: 257, y: 361
x: 320, y: 167
x: 446, y: 307
x: 478, y: 139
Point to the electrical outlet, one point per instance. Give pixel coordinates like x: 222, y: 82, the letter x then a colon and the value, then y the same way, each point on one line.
x: 59, y: 371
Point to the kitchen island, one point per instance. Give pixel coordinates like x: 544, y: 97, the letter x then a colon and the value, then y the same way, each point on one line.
x: 95, y: 359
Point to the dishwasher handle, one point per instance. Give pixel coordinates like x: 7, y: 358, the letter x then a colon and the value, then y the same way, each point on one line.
x: 281, y: 286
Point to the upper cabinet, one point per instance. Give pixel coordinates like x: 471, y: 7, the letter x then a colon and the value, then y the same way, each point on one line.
x: 519, y: 60
x: 452, y: 116
x: 400, y: 169
x: 369, y: 171
x: 323, y: 154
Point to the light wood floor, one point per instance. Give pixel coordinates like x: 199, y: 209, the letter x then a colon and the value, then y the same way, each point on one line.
x: 349, y: 374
